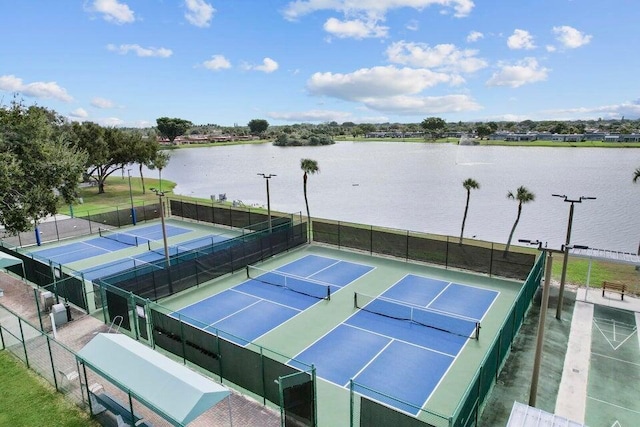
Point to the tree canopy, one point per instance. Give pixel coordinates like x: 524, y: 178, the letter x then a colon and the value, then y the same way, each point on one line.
x: 109, y: 149
x: 434, y: 125
x: 38, y: 165
x: 172, y: 127
x: 258, y: 126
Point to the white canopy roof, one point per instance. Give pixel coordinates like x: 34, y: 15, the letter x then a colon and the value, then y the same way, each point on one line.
x: 606, y: 255
x: 165, y: 385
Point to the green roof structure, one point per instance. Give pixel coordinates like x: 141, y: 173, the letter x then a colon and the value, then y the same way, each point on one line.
x: 172, y: 390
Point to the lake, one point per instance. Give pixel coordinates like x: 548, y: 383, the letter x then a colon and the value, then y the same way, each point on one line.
x: 418, y: 187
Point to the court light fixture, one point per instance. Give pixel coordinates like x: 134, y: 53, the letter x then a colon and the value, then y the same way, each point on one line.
x: 161, y: 195
x: 563, y: 277
x: 133, y: 210
x: 267, y: 177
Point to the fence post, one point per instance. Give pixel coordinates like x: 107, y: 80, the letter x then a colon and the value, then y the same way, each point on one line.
x: 264, y: 381
x: 24, y: 344
x: 491, y: 262
x: 371, y: 240
x: 407, y: 248
x: 2, y: 338
x: 35, y: 294
x: 53, y: 366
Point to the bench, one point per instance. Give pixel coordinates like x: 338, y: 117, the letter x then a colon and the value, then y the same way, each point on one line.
x: 620, y: 288
x: 102, y: 401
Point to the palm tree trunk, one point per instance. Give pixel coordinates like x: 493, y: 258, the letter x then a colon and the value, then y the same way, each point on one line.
x: 142, y: 179
x: 160, y: 177
x: 306, y: 202
x: 513, y: 229
x: 464, y: 218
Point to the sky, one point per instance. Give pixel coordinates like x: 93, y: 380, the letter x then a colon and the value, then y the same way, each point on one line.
x: 127, y: 62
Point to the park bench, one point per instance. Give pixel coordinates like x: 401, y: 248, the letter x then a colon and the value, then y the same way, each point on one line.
x: 102, y: 401
x: 620, y: 288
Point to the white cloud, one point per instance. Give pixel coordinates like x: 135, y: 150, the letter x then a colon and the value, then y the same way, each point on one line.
x: 123, y: 49
x: 413, y: 25
x: 268, y: 66
x: 79, y: 113
x: 411, y: 105
x: 376, y: 82
x: 217, y: 62
x: 391, y: 90
x: 296, y: 9
x: 113, y: 11
x: 550, y: 48
x: 356, y: 28
x: 520, y: 39
x: 523, y: 72
x: 102, y: 103
x: 570, y: 37
x: 199, y: 12
x: 11, y: 83
x: 445, y: 57
x: 626, y: 109
x: 312, y: 116
x: 474, y: 36
x: 110, y: 121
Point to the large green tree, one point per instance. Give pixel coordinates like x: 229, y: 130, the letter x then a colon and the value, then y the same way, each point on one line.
x: 308, y: 166
x: 109, y: 149
x: 468, y: 184
x: 258, y: 126
x: 39, y: 166
x: 434, y: 125
x: 172, y: 127
x: 522, y: 196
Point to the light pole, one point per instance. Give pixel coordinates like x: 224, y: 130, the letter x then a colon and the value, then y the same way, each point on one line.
x: 566, y: 248
x: 544, y: 304
x: 164, y: 229
x: 267, y: 177
x: 133, y: 210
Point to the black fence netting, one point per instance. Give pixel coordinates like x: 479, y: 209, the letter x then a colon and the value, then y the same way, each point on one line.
x: 473, y: 255
x: 236, y: 217
x: 60, y: 227
x: 191, y: 268
x: 237, y: 362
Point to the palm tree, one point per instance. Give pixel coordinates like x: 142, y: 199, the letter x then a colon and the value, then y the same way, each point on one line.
x: 636, y: 175
x: 522, y: 195
x: 160, y: 161
x: 468, y: 184
x: 308, y: 166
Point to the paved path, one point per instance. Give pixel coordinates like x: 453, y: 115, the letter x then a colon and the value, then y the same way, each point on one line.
x: 599, y: 385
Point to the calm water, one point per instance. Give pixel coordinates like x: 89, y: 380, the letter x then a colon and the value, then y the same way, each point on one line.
x: 419, y: 187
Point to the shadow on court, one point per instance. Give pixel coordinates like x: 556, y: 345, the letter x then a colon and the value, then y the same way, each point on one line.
x: 514, y: 381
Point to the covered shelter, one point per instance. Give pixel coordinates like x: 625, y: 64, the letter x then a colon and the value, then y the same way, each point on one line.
x: 7, y: 261
x: 604, y: 255
x: 171, y: 390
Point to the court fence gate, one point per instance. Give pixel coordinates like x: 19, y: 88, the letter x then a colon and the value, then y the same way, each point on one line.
x: 368, y: 413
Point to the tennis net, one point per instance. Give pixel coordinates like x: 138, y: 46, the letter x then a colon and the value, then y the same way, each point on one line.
x: 301, y: 285
x: 127, y: 239
x: 399, y: 310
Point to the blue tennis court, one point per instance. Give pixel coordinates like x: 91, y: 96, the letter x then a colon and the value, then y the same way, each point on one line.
x: 149, y: 257
x: 105, y: 244
x: 402, y: 342
x: 269, y: 298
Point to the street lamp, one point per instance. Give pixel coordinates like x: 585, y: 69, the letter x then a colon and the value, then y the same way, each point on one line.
x: 544, y: 304
x: 133, y: 210
x: 267, y: 177
x: 566, y: 248
x: 164, y: 229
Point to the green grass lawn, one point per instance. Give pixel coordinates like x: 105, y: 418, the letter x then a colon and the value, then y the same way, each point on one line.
x: 28, y: 400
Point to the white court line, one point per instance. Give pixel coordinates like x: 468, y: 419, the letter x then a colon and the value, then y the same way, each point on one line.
x: 613, y: 404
